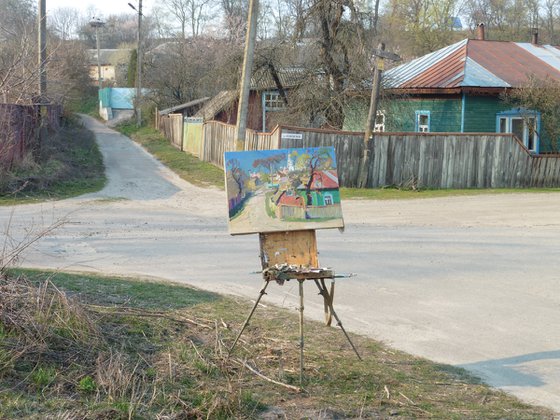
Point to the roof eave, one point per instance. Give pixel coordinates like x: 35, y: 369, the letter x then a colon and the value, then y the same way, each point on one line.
x: 448, y: 91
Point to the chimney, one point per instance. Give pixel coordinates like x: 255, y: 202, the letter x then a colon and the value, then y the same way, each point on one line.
x: 480, y: 32
x: 535, y: 36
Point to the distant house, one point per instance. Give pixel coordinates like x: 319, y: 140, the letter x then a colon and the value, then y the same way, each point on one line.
x: 266, y: 102
x: 113, y: 65
x: 459, y: 88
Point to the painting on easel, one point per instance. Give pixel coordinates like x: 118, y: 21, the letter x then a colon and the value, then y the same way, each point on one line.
x: 282, y: 190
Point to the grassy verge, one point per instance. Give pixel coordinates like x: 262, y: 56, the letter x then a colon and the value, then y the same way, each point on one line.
x: 405, y: 194
x: 184, y: 164
x: 81, y: 346
x: 68, y: 165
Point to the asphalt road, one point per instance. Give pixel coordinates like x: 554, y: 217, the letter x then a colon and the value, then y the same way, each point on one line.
x: 468, y: 281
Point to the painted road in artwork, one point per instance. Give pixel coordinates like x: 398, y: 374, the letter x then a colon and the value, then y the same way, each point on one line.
x: 280, y: 190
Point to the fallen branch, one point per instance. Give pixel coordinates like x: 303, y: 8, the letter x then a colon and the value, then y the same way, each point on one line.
x: 266, y: 378
x: 406, y: 398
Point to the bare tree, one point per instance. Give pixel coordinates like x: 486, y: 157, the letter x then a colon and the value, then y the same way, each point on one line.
x: 551, y: 19
x: 182, y: 71
x: 235, y: 17
x: 64, y: 22
x: 17, y: 51
x: 422, y: 26
x: 189, y: 13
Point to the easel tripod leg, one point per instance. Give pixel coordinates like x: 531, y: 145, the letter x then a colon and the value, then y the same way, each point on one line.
x: 301, y: 341
x: 323, y: 291
x: 328, y: 296
x: 261, y: 294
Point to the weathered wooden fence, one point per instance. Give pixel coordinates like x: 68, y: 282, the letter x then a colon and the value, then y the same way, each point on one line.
x: 348, y: 145
x: 219, y: 138
x: 420, y: 160
x: 444, y: 160
x: 19, y: 130
x: 171, y: 126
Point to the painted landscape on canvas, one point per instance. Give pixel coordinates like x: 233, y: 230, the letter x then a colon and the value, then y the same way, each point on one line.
x: 282, y: 190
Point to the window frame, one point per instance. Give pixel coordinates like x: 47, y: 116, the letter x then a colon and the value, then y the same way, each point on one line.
x: 417, y: 126
x: 272, y: 101
x: 380, y: 128
x: 530, y: 136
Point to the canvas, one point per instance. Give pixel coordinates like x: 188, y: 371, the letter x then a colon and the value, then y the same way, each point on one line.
x: 282, y: 190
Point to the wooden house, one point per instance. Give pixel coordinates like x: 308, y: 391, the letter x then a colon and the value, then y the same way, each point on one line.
x: 460, y: 88
x: 266, y: 103
x: 113, y: 64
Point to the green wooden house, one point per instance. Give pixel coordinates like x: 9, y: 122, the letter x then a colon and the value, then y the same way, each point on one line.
x: 460, y: 88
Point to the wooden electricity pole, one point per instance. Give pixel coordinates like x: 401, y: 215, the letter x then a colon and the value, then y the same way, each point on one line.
x: 138, y: 98
x: 245, y: 88
x: 42, y: 29
x: 42, y: 67
x: 139, y: 68
x: 380, y: 55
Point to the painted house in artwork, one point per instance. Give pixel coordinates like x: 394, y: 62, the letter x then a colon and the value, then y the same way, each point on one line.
x: 460, y: 88
x: 320, y: 199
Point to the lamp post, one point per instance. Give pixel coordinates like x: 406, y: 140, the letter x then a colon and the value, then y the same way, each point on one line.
x: 137, y: 103
x: 97, y: 23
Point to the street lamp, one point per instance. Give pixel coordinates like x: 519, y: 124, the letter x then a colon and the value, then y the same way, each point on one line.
x: 97, y: 23
x: 137, y: 107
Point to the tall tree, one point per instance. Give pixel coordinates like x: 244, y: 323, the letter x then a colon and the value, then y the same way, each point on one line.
x: 235, y: 14
x: 191, y: 14
x: 18, y: 58
x: 422, y: 26
x: 64, y: 21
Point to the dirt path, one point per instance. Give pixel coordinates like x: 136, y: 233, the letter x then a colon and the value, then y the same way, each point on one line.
x: 469, y: 281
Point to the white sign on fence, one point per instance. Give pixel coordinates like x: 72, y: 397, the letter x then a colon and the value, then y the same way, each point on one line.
x: 292, y: 136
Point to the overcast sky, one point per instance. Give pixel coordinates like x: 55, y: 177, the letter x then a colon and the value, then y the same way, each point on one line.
x: 104, y: 7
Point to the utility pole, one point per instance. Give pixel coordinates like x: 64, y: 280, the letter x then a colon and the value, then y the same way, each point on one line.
x: 42, y: 29
x: 379, y: 65
x: 243, y: 105
x: 42, y: 64
x: 96, y: 23
x: 138, y: 99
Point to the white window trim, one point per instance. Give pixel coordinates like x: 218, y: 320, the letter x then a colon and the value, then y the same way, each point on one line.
x: 510, y: 116
x: 424, y: 128
x: 273, y: 97
x: 380, y: 128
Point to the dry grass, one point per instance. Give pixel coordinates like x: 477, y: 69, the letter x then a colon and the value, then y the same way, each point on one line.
x: 68, y: 355
x: 69, y: 164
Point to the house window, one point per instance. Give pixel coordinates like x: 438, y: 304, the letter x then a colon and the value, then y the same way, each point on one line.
x: 423, y: 121
x: 503, y: 125
x: 523, y: 124
x: 379, y: 122
x: 328, y: 199
x: 273, y: 101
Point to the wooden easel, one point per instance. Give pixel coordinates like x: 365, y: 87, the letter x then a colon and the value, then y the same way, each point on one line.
x: 292, y: 255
